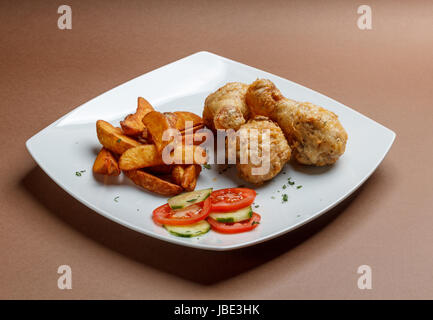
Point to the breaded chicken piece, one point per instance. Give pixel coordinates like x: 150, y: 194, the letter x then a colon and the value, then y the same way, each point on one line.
x: 270, y: 160
x: 315, y: 134
x: 226, y: 108
x: 261, y: 98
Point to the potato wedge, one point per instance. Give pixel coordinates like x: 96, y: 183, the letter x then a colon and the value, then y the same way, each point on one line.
x: 190, y: 176
x: 182, y: 117
x: 139, y: 157
x: 145, y: 156
x: 186, y: 176
x: 112, y: 139
x: 153, y: 183
x: 118, y: 130
x: 186, y: 154
x: 171, y: 118
x: 192, y: 138
x: 178, y: 120
x: 156, y: 124
x: 133, y: 125
x: 160, y: 169
x: 106, y: 163
x: 192, y: 130
x: 177, y: 174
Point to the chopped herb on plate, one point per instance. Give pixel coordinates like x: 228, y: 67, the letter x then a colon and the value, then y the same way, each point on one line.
x: 78, y: 173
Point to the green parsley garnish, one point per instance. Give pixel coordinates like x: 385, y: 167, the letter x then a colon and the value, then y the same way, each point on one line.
x: 284, y: 186
x: 285, y: 197
x: 206, y: 166
x: 78, y: 173
x: 272, y: 197
x: 291, y: 183
x: 116, y: 199
x: 298, y: 187
x: 256, y: 206
x: 255, y: 222
x: 118, y: 140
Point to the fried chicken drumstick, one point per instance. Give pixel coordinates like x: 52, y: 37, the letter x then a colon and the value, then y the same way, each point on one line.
x: 315, y: 134
x: 226, y: 107
x: 271, y: 161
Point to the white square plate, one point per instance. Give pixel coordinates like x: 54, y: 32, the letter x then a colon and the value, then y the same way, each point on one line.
x: 70, y: 145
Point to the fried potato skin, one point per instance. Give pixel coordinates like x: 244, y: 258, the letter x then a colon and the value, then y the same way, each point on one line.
x: 153, y: 183
x: 177, y: 174
x: 188, y: 154
x: 186, y: 176
x: 190, y: 176
x: 140, y: 157
x: 112, y: 139
x: 157, y: 123
x: 133, y: 125
x: 144, y: 156
x: 194, y: 138
x: 183, y: 116
x: 192, y: 130
x: 178, y: 120
x: 106, y: 163
x: 160, y: 169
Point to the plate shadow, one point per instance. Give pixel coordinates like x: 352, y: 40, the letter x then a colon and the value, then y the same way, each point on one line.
x: 200, y: 266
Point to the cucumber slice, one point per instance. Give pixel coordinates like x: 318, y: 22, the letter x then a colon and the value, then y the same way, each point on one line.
x: 234, y: 216
x: 190, y: 230
x: 188, y: 198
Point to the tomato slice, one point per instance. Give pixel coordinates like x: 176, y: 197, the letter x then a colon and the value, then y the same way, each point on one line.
x: 236, y: 227
x: 188, y: 215
x: 231, y: 199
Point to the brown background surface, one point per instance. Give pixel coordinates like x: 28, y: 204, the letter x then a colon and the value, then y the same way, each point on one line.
x: 385, y: 73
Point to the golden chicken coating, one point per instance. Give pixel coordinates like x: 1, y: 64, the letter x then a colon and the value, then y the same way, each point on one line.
x: 265, y: 153
x: 261, y: 97
x: 315, y: 134
x: 226, y: 108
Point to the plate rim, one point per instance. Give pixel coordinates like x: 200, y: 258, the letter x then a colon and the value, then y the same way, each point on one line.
x: 30, y: 148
